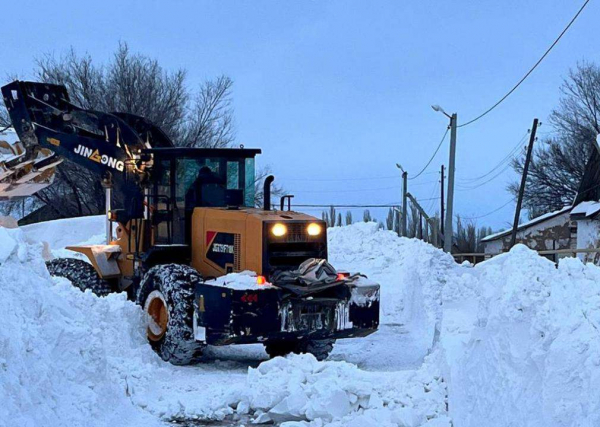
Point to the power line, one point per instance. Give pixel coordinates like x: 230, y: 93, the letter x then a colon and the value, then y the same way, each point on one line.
x: 489, y: 213
x: 474, y: 187
x: 393, y: 205
x: 531, y: 70
x: 432, y: 156
x: 423, y: 183
x: 429, y: 198
x: 357, y: 190
x: 342, y: 179
x: 371, y: 178
x: 323, y: 209
x: 435, y: 190
x: 508, y: 157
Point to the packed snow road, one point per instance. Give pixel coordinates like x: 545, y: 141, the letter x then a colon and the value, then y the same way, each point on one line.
x: 519, y: 346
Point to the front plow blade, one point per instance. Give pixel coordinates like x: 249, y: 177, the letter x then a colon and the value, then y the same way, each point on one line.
x: 21, y: 175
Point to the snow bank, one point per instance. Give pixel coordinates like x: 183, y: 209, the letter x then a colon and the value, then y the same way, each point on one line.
x: 64, y: 355
x: 519, y: 345
x: 86, y: 230
x: 412, y: 274
x: 533, y: 356
x: 520, y: 338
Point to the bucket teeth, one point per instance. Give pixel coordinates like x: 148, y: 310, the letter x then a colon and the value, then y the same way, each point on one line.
x: 21, y: 175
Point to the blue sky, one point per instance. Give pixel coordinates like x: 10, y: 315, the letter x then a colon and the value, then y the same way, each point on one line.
x: 334, y: 91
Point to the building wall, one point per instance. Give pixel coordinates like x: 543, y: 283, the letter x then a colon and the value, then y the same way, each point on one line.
x: 554, y: 233
x: 588, y: 237
x: 494, y: 246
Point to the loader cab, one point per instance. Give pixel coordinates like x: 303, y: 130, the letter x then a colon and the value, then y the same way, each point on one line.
x: 187, y: 178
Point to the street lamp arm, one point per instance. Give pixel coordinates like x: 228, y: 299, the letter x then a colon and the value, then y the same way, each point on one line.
x: 441, y: 110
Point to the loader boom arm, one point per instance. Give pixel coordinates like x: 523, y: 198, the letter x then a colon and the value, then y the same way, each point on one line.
x: 51, y: 128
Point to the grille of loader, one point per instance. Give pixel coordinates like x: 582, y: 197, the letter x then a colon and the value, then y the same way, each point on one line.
x: 297, y: 233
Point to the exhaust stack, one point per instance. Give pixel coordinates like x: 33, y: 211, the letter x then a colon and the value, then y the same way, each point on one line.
x: 267, y: 192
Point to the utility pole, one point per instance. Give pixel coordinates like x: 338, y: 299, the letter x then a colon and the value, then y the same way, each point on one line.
x: 513, y: 237
x: 404, y: 227
x: 423, y: 213
x: 404, y: 204
x: 442, y: 202
x: 451, y: 167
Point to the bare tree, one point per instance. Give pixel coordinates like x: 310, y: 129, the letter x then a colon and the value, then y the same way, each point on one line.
x: 211, y: 119
x: 129, y: 83
x: 389, y: 220
x: 559, y: 161
x: 468, y: 237
x: 4, y: 119
x: 348, y: 217
x: 413, y: 221
x: 330, y: 217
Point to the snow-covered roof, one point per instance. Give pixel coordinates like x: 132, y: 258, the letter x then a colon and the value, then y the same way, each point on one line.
x: 524, y: 225
x: 586, y: 209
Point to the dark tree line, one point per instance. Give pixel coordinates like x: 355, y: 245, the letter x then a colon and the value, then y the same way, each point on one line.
x: 559, y: 160
x: 467, y: 235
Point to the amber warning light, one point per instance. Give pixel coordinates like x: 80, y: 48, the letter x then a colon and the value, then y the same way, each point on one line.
x: 342, y: 276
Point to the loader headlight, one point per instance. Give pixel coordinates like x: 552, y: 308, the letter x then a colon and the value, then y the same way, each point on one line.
x: 279, y: 230
x: 313, y: 229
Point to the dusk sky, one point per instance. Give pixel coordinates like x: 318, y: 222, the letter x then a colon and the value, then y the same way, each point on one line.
x: 337, y: 92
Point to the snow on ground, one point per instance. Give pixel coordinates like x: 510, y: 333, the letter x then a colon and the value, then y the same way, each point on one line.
x: 519, y: 345
x: 57, y: 361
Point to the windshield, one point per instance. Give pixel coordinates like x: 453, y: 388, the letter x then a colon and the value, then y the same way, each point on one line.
x: 219, y: 180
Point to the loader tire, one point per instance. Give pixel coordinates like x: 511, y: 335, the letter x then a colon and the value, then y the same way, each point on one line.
x: 280, y: 348
x: 81, y: 274
x: 318, y: 348
x: 167, y: 295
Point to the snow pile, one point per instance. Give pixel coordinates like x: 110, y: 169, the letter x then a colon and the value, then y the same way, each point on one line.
x: 519, y: 345
x: 300, y: 391
x: 412, y: 274
x: 521, y: 337
x: 243, y: 281
x: 533, y: 357
x: 64, y: 355
x: 86, y: 230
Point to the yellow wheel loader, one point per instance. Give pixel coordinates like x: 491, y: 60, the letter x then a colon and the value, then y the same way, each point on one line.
x: 184, y: 238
